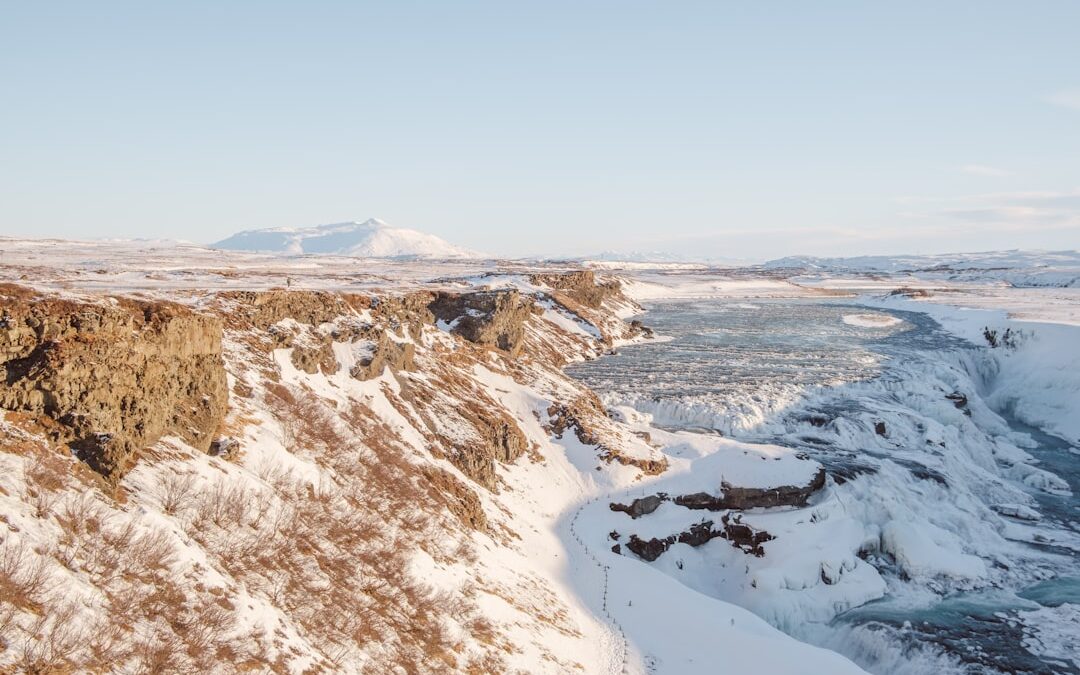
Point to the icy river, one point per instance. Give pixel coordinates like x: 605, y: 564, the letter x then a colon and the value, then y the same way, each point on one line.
x: 972, y: 518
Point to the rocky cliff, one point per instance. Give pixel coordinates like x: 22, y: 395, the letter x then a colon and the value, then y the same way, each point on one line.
x: 279, y: 464
x: 109, y: 379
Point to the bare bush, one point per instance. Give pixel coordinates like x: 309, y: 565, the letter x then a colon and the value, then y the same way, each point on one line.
x: 55, y: 639
x: 175, y: 492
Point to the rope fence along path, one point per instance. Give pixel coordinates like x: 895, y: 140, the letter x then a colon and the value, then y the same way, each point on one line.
x: 616, y: 648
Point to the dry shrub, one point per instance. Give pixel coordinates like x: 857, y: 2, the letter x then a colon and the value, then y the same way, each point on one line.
x: 45, y: 475
x: 56, y: 640
x: 336, y: 551
x: 24, y: 580
x: 175, y: 492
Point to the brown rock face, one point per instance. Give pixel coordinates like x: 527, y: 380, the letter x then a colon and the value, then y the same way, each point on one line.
x: 111, y: 379
x: 580, y: 286
x: 315, y: 358
x: 387, y: 352
x: 500, y: 441
x: 263, y: 309
x: 488, y: 318
x: 580, y: 415
x: 748, y: 498
x: 458, y: 498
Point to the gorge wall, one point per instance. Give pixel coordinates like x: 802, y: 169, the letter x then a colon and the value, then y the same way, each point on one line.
x: 251, y: 477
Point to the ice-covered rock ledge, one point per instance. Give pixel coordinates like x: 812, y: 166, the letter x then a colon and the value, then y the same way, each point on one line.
x: 1034, y: 375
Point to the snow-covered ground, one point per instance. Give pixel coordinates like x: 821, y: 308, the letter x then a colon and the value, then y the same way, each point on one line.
x: 956, y: 501
x: 945, y: 502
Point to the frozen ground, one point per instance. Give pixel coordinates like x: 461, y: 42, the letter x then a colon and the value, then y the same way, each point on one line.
x: 946, y: 522
x: 948, y: 513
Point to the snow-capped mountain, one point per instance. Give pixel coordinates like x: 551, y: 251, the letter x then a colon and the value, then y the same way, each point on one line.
x: 372, y: 238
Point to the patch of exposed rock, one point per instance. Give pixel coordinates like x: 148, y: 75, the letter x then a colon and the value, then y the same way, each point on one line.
x: 640, y: 507
x: 109, y: 379
x: 580, y: 416
x: 263, y: 309
x: 740, y: 498
x: 386, y: 353
x: 458, y: 498
x: 739, y: 534
x: 580, y: 286
x: 911, y: 292
x: 309, y: 322
x: 500, y: 440
x: 488, y: 318
x: 484, y: 434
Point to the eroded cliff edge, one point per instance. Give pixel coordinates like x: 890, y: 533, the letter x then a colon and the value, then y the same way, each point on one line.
x: 110, y: 378
x: 245, y: 461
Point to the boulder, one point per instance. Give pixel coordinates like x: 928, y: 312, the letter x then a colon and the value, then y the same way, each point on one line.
x: 639, y: 507
x: 649, y: 550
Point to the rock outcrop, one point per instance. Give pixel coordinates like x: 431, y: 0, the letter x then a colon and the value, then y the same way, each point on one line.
x: 960, y: 401
x: 500, y: 440
x: 385, y: 353
x: 739, y: 534
x: 740, y: 498
x: 488, y: 318
x: 639, y: 507
x: 580, y: 286
x: 263, y: 309
x: 109, y: 379
x: 582, y: 416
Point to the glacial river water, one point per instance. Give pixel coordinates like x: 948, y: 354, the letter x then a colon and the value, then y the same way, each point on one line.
x: 819, y: 376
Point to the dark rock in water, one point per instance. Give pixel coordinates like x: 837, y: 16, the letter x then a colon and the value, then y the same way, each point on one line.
x: 843, y: 469
x: 639, y: 507
x: 960, y: 401
x: 638, y: 328
x: 748, y: 498
x: 925, y: 473
x: 816, y: 420
x: 879, y: 428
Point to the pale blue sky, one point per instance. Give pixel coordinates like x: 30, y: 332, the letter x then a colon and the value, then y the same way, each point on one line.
x: 742, y: 129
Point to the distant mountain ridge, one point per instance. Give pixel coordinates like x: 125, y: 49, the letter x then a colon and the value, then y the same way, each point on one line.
x: 372, y: 238
x: 1014, y: 259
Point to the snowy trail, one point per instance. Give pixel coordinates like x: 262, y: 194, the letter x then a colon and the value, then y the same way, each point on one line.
x: 615, y: 647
